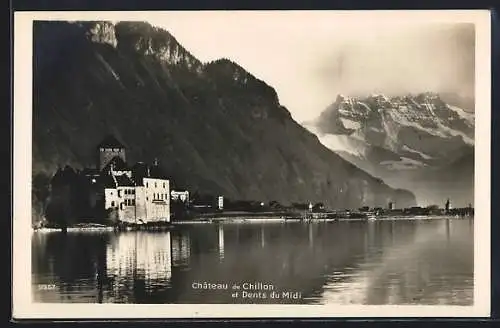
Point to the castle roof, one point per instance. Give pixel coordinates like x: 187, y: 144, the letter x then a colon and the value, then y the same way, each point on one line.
x: 139, y: 172
x: 124, y: 181
x: 157, y: 172
x: 64, y: 176
x: 110, y: 142
x: 142, y: 170
x: 118, y: 165
x: 107, y: 181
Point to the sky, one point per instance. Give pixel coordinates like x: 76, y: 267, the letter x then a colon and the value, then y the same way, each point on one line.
x: 310, y: 57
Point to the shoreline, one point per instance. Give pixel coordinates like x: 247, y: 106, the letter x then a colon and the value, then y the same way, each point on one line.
x: 241, y: 220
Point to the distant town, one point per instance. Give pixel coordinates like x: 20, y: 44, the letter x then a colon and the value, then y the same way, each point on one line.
x: 116, y: 195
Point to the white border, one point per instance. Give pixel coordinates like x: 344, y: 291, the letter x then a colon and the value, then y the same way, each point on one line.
x: 24, y: 308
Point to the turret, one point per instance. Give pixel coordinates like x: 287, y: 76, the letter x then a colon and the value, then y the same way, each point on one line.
x: 109, y: 148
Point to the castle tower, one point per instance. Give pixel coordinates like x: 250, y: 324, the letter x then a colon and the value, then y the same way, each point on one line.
x: 109, y: 148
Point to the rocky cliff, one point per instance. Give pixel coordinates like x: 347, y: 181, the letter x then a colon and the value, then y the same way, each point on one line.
x: 214, y: 127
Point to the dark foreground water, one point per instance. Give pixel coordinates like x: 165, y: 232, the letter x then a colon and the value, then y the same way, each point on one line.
x: 381, y: 262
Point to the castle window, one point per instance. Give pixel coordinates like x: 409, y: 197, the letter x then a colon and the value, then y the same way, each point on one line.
x: 112, y: 204
x: 119, y: 193
x: 163, y: 185
x: 166, y: 196
x: 146, y: 185
x: 155, y: 185
x: 133, y: 202
x: 133, y: 191
x: 147, y: 198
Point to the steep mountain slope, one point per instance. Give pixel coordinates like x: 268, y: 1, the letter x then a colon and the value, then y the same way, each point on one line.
x: 418, y: 142
x: 214, y: 127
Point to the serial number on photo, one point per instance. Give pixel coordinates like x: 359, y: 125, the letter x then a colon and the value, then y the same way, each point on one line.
x: 47, y: 287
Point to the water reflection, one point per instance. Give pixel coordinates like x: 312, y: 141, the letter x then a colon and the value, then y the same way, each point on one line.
x: 181, y: 249
x: 138, y: 264
x: 431, y: 265
x: 262, y: 237
x: 381, y: 262
x: 221, y: 242
x: 311, y: 235
x: 75, y: 263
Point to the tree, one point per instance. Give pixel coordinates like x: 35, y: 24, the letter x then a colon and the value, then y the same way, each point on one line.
x: 112, y: 217
x: 275, y: 205
x: 319, y: 206
x: 58, y: 211
x: 40, y: 192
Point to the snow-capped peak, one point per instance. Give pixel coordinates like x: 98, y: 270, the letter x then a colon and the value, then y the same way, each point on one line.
x: 469, y: 117
x: 387, y: 121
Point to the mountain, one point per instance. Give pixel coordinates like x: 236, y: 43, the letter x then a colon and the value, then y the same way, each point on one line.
x: 214, y: 127
x: 416, y: 142
x: 454, y: 99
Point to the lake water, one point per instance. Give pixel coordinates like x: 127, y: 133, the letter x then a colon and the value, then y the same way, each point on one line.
x: 359, y: 262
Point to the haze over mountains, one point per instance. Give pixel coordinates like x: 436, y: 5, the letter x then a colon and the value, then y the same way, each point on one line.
x: 419, y: 142
x: 213, y: 126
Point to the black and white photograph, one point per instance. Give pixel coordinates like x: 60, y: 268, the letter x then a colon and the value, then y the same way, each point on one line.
x: 209, y: 162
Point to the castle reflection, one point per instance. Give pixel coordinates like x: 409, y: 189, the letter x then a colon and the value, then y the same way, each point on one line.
x: 138, y: 264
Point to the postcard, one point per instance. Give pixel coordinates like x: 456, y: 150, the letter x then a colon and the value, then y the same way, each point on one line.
x: 251, y: 164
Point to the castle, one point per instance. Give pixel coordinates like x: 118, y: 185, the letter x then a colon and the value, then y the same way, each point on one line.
x: 114, y: 190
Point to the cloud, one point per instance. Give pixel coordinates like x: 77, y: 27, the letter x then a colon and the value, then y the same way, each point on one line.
x: 430, y: 58
x: 309, y: 57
